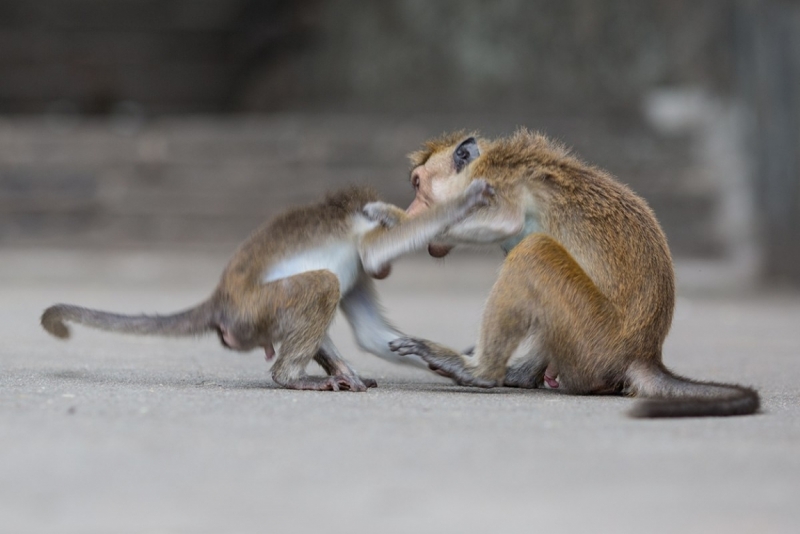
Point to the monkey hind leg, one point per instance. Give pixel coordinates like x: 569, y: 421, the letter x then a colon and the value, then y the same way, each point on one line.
x: 297, y: 311
x: 440, y: 359
x: 506, y: 325
x: 510, y: 349
x: 334, y: 365
x: 543, y: 292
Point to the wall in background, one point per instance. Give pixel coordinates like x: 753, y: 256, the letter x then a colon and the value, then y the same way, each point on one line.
x: 693, y: 103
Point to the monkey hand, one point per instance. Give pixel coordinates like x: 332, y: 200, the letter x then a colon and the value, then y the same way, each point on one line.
x: 384, y: 213
x: 479, y: 193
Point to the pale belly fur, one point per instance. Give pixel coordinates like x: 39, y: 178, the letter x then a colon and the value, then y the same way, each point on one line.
x: 340, y: 258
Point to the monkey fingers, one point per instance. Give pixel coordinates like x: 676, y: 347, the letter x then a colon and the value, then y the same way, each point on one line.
x: 480, y: 192
x: 384, y: 213
x: 439, y: 359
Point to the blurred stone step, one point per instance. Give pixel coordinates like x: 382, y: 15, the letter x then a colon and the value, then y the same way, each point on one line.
x: 215, y: 178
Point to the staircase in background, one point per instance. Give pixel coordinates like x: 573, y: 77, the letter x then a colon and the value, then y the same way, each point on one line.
x: 205, y: 180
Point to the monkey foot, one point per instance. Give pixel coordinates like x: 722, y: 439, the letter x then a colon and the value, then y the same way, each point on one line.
x: 355, y: 382
x: 448, y: 364
x: 330, y: 383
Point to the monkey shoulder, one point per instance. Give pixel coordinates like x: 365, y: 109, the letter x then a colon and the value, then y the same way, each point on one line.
x: 351, y: 199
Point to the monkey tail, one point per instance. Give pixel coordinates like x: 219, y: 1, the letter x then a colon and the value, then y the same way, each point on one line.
x: 189, y: 322
x: 669, y: 395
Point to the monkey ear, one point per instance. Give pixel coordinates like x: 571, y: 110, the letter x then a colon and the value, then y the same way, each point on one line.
x: 466, y: 152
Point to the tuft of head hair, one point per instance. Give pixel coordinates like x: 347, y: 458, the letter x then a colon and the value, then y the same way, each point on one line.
x: 437, y: 144
x: 52, y: 321
x: 525, y: 148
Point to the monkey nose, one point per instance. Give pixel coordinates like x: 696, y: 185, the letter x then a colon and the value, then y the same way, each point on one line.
x: 416, y: 206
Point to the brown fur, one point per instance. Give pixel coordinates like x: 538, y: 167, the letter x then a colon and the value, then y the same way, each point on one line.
x: 591, y: 283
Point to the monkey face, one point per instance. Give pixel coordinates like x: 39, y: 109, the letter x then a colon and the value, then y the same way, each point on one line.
x: 442, y: 177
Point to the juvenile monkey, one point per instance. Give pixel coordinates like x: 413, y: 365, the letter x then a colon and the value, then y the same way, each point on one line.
x: 587, y: 290
x: 284, y: 282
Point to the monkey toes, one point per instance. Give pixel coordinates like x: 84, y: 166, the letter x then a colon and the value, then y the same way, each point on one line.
x: 331, y: 383
x: 369, y: 382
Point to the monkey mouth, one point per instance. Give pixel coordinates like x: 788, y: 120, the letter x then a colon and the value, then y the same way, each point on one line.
x: 439, y: 251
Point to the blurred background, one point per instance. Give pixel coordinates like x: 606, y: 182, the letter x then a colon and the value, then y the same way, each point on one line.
x: 182, y: 124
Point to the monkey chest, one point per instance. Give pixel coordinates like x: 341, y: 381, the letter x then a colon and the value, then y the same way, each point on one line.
x: 532, y: 226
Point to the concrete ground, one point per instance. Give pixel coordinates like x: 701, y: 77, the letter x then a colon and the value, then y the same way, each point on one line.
x: 113, y: 434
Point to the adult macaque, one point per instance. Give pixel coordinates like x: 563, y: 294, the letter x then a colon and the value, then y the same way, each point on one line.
x: 586, y: 293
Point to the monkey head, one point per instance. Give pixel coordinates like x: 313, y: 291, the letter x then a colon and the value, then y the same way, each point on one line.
x: 440, y: 173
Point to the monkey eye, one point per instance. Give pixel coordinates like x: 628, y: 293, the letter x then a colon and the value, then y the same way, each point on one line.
x: 415, y: 182
x: 466, y: 152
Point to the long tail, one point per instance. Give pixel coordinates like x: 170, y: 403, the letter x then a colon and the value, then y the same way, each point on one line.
x: 669, y: 395
x: 193, y: 321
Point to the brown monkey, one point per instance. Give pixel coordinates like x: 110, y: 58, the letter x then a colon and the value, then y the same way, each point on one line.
x: 283, y: 285
x: 587, y: 288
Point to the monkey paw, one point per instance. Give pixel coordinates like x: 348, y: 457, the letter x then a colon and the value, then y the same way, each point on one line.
x: 330, y: 383
x: 382, y: 212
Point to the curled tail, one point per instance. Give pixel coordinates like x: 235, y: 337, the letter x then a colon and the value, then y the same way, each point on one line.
x: 669, y: 395
x: 193, y: 321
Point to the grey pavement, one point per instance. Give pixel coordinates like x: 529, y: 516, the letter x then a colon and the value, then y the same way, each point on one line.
x: 114, y: 434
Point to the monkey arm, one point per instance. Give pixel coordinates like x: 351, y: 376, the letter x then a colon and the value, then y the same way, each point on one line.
x: 490, y: 224
x: 372, y: 330
x: 382, y: 245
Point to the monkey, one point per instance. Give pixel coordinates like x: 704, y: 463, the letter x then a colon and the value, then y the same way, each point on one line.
x: 585, y: 296
x: 283, y: 285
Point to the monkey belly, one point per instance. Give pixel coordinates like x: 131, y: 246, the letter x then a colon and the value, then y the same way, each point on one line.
x: 340, y: 258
